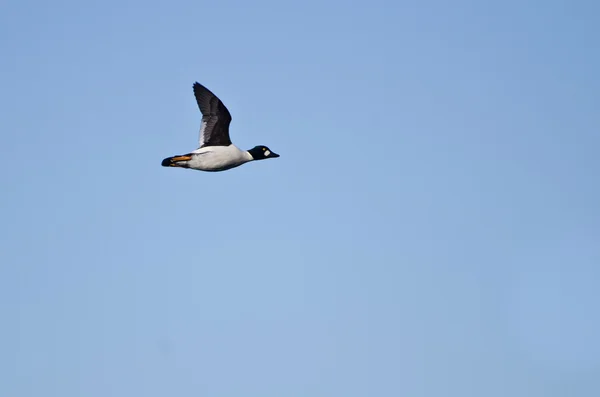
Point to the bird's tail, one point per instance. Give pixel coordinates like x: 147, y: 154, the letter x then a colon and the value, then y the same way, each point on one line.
x: 176, y: 161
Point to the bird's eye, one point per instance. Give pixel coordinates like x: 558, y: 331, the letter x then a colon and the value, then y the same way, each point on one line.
x: 264, y: 148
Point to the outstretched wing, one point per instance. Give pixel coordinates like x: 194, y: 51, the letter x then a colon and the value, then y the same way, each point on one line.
x: 214, y: 130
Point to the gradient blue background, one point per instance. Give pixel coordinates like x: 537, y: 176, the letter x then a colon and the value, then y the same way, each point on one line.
x: 432, y: 227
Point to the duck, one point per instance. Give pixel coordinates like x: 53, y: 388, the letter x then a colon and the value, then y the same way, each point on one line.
x: 215, y: 150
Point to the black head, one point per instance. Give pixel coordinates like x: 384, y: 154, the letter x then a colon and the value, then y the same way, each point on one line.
x: 262, y: 152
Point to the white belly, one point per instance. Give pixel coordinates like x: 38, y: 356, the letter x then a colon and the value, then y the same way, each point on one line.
x: 218, y: 158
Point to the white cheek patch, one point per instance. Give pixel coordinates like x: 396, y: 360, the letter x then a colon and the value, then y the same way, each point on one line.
x: 267, y: 153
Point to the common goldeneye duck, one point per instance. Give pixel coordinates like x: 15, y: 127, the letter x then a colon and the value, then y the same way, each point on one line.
x: 215, y: 151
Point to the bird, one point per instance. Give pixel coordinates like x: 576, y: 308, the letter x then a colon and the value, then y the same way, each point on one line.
x: 215, y: 150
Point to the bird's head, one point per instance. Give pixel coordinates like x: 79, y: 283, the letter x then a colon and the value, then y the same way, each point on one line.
x: 262, y: 152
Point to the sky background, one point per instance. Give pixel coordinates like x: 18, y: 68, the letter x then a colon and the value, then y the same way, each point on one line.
x: 431, y: 228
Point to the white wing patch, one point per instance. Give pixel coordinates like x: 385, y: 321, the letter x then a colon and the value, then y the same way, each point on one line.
x: 203, y: 126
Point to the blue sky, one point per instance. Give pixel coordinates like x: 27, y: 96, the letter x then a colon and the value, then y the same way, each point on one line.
x: 430, y: 229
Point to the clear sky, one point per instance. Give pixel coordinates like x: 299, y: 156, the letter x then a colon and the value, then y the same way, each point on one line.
x: 431, y: 229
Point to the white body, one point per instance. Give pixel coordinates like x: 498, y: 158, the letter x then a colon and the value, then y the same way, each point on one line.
x: 218, y: 158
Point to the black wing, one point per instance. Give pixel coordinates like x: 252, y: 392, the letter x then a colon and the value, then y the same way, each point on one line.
x: 214, y: 130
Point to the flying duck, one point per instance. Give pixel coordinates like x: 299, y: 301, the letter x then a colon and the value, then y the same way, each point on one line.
x: 215, y: 151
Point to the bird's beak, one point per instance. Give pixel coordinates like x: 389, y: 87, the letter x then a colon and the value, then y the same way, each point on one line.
x: 274, y: 155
